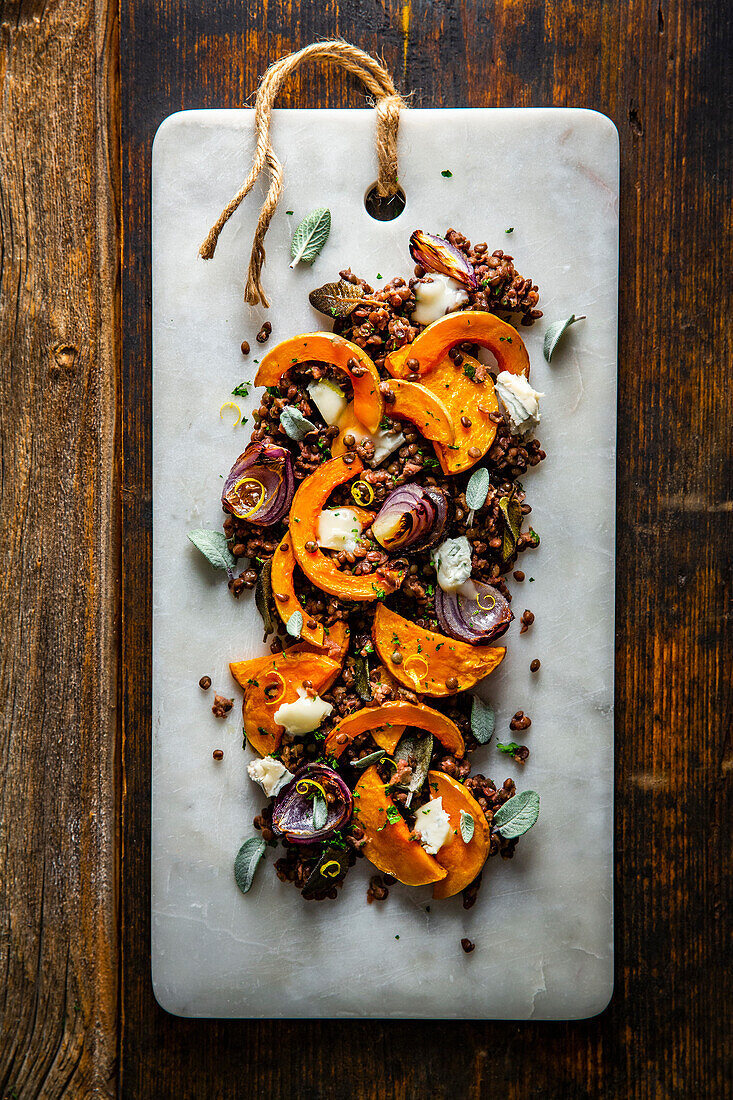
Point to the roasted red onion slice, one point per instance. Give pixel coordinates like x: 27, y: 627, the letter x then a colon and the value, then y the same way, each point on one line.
x: 260, y: 484
x: 437, y: 254
x: 292, y: 812
x: 476, y: 613
x: 411, y: 518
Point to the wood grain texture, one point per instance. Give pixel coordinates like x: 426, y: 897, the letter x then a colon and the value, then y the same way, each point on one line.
x: 659, y: 69
x: 59, y: 517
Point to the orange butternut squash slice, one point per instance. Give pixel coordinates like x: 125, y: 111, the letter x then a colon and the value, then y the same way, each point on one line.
x: 425, y: 407
x: 463, y: 398
x: 387, y: 737
x: 327, y: 347
x: 462, y: 861
x: 308, y: 502
x: 470, y: 326
x: 388, y: 845
x: 274, y: 680
x: 391, y: 715
x: 422, y: 405
x: 429, y: 660
x: 283, y: 589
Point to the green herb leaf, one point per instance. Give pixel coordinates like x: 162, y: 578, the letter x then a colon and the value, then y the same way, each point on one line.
x: 470, y: 371
x: 415, y: 751
x: 245, y: 864
x: 310, y: 236
x: 483, y: 720
x: 320, y: 811
x: 213, y: 545
x: 517, y: 815
x: 510, y: 748
x: 510, y: 229
x: 367, y: 761
x: 360, y: 670
x: 263, y: 597
x: 325, y: 875
x: 294, y: 625
x: 242, y: 390
x: 555, y: 332
x: 512, y: 512
x: 393, y: 815
x: 294, y: 424
x: 336, y: 299
x: 467, y: 826
x: 477, y: 489
x: 447, y: 173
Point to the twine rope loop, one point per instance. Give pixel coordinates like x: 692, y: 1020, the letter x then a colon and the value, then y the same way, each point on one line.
x: 387, y: 103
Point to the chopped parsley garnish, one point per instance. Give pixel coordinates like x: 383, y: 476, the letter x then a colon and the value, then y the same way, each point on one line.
x: 510, y: 229
x: 447, y: 173
x: 242, y: 390
x: 393, y: 815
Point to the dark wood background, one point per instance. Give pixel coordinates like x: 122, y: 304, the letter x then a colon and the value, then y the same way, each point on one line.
x: 78, y: 1015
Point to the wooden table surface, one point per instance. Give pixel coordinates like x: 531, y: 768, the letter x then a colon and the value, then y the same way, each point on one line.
x: 78, y: 1017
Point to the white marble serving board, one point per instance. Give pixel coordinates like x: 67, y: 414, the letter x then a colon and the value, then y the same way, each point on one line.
x: 543, y: 921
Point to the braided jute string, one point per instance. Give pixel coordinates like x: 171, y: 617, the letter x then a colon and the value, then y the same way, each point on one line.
x: 387, y: 104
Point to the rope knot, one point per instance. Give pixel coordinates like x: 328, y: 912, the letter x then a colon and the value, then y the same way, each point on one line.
x: 388, y: 105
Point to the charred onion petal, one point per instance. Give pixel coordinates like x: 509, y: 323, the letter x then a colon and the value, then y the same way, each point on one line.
x: 437, y: 254
x: 260, y: 484
x: 477, y: 613
x: 412, y: 518
x: 292, y: 812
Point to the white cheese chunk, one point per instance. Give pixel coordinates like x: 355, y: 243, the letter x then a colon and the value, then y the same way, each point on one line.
x: 271, y: 774
x: 520, y: 401
x: 338, y: 529
x: 432, y: 825
x: 452, y: 560
x: 437, y: 298
x: 328, y: 398
x: 304, y: 715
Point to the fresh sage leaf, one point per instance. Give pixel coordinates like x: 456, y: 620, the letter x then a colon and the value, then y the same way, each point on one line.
x: 512, y: 512
x: 360, y: 669
x: 483, y: 720
x: 263, y: 597
x: 415, y: 751
x: 330, y: 869
x: 477, y: 489
x: 215, y: 548
x: 366, y: 761
x: 336, y: 299
x: 517, y: 815
x: 245, y: 865
x: 310, y: 236
x: 294, y: 625
x: 555, y: 332
x: 294, y: 424
x: 320, y: 811
x: 467, y: 826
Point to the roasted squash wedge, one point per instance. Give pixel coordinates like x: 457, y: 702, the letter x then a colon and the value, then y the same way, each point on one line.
x: 327, y: 347
x: 390, y: 715
x: 463, y: 398
x: 286, y: 600
x: 429, y: 661
x: 413, y: 402
x: 388, y: 845
x: 387, y: 737
x: 283, y: 589
x: 274, y: 680
x: 469, y: 326
x: 462, y: 861
x: 308, y: 502
x: 425, y: 407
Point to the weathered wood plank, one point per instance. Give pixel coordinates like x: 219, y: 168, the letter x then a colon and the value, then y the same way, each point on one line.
x: 659, y: 70
x: 59, y: 517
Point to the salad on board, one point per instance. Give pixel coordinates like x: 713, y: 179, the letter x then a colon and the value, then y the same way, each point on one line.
x: 379, y: 510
